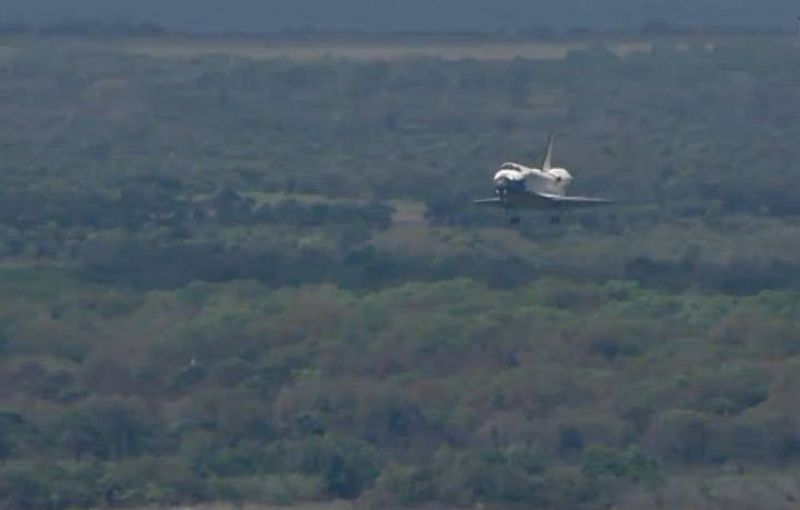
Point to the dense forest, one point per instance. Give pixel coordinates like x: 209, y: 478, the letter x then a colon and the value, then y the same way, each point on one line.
x: 258, y: 280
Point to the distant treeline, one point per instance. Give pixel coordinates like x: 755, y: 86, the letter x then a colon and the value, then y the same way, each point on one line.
x: 85, y: 28
x: 88, y: 27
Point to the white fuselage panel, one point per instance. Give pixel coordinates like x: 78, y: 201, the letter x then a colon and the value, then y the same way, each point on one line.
x: 554, y: 182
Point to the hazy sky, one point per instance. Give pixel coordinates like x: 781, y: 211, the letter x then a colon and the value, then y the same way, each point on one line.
x: 268, y: 15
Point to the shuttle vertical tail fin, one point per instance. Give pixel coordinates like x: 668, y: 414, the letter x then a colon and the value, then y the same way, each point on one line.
x: 547, y: 162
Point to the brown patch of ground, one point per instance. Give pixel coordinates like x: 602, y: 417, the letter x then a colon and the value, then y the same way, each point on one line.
x: 371, y: 50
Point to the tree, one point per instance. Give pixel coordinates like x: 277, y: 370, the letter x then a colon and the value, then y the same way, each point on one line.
x: 106, y: 428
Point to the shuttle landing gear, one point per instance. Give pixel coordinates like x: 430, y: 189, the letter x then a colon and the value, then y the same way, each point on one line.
x: 512, y: 218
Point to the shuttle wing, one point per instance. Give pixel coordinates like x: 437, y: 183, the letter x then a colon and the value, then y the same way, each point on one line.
x: 529, y: 200
x: 567, y: 200
x: 497, y: 202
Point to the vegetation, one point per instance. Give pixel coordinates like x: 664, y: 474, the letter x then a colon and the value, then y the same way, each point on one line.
x: 216, y: 285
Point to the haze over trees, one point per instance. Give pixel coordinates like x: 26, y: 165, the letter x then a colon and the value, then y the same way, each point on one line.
x: 242, y: 279
x: 258, y: 16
